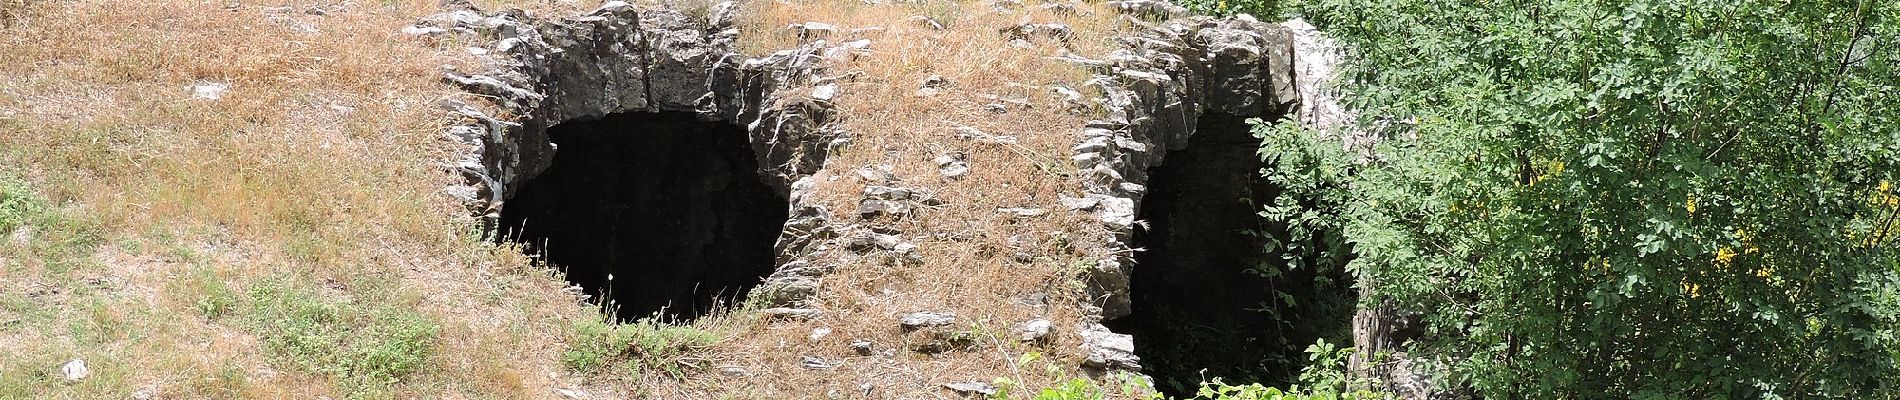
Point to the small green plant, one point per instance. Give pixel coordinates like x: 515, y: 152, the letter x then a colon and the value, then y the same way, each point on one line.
x: 364, y: 349
x: 1272, y: 10
x: 1072, y: 389
x: 215, y: 298
x: 1324, y: 378
x: 18, y: 204
x: 59, y: 238
x: 645, y: 345
x: 592, y: 343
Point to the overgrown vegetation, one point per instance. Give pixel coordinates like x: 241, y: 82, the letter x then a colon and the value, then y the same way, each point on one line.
x: 1323, y: 378
x: 1642, y: 198
x: 1265, y: 10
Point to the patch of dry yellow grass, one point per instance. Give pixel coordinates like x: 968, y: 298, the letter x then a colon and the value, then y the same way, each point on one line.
x: 321, y: 164
x: 968, y: 247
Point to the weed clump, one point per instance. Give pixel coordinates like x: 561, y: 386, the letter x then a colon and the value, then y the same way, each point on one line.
x: 645, y: 345
x: 365, y: 349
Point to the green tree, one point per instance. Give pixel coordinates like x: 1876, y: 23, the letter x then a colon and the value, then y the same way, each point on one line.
x: 1630, y: 198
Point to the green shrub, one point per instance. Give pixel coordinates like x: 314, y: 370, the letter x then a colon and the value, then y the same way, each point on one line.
x: 1634, y: 198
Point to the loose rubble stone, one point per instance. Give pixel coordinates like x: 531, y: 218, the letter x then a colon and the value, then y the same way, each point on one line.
x: 873, y: 208
x: 75, y: 370
x: 861, y: 346
x: 972, y: 388
x: 952, y: 166
x: 1109, y: 350
x: 922, y: 196
x: 933, y: 85
x: 926, y: 319
x: 423, y: 31
x: 812, y: 30
x: 1022, y: 212
x: 209, y: 90
x: 810, y: 362
x: 784, y: 313
x: 147, y: 392
x: 1034, y: 330
x: 571, y: 394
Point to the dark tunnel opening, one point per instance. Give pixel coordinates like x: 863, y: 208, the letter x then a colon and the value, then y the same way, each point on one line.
x: 1210, y: 298
x: 654, y: 214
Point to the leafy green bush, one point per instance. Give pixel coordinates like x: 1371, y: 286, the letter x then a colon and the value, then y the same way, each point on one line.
x: 1633, y: 198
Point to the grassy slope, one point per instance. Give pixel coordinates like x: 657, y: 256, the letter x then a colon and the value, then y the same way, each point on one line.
x: 288, y: 239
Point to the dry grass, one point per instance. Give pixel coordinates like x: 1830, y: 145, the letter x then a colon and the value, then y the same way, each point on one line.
x: 968, y: 248
x: 320, y: 165
x: 317, y: 164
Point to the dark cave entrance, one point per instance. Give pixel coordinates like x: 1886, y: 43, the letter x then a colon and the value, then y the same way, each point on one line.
x: 656, y: 214
x: 1210, y: 299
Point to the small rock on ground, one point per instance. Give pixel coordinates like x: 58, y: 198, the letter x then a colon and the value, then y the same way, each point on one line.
x: 923, y: 319
x: 1034, y: 330
x: 969, y: 388
x: 75, y: 370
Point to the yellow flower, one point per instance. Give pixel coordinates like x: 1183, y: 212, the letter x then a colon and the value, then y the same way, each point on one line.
x: 1689, y: 204
x: 1765, y: 272
x: 1723, y: 256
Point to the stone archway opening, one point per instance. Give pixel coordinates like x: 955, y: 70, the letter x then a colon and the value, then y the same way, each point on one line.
x: 1210, y: 298
x: 653, y: 214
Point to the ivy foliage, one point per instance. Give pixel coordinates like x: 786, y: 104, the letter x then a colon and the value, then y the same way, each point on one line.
x: 1626, y: 198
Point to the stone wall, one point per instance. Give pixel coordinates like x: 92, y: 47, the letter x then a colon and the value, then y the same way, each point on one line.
x: 539, y: 73
x: 1154, y: 89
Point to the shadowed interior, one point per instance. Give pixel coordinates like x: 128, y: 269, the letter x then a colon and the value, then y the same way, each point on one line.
x: 660, y: 213
x: 1210, y: 297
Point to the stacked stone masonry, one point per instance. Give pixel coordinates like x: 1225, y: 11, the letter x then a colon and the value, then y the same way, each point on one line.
x: 1154, y: 89
x: 620, y: 58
